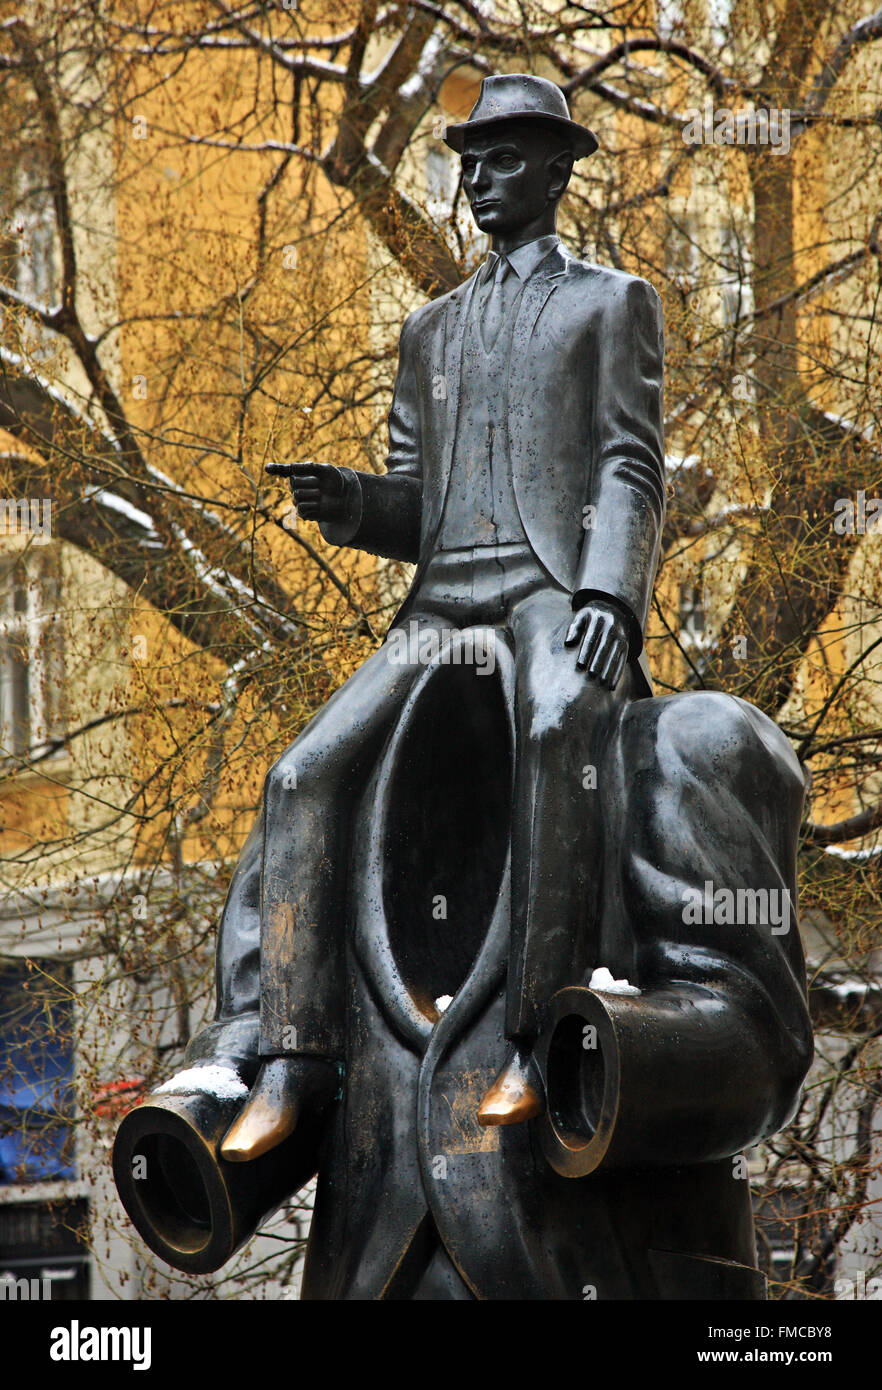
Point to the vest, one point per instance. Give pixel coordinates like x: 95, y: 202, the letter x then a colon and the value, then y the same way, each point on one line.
x: 480, y: 507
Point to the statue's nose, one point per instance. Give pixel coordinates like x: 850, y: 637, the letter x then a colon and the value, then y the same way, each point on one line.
x: 480, y: 180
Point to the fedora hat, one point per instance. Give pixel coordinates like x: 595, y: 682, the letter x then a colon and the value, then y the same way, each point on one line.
x: 518, y: 96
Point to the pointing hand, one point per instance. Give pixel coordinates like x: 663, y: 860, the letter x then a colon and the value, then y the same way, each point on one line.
x: 319, y: 489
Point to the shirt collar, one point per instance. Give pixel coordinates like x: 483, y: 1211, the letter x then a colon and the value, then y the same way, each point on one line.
x: 525, y: 259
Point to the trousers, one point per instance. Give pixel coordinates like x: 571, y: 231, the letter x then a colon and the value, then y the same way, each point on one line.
x: 564, y: 720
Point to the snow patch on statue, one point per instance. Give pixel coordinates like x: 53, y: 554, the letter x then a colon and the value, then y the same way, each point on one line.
x: 223, y: 1082
x: 603, y: 982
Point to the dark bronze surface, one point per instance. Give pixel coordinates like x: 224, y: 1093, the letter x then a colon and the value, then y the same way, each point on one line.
x: 526, y: 480
x: 515, y: 96
x: 193, y: 1208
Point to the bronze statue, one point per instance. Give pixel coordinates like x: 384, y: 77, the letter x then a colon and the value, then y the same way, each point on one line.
x: 488, y: 825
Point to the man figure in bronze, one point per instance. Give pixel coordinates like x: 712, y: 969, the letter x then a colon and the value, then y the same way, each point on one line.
x: 525, y: 478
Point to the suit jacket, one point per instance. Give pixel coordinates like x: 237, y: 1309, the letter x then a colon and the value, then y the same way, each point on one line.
x: 586, y: 434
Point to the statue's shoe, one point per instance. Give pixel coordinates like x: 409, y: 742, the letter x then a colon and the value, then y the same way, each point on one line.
x: 516, y: 1094
x: 282, y: 1088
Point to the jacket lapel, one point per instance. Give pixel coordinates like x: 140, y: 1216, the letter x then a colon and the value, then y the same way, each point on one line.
x: 522, y: 380
x: 458, y: 307
x: 537, y: 291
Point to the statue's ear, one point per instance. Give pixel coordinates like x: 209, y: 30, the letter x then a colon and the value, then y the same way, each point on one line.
x: 560, y: 168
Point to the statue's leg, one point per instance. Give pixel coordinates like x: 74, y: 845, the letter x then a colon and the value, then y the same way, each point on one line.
x: 309, y: 798
x: 565, y: 722
x: 232, y: 1037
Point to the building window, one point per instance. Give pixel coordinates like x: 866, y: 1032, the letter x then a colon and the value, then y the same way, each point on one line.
x: 441, y: 182
x: 736, y: 291
x: 683, y: 266
x: 448, y: 206
x: 43, y: 1250
x: 36, y: 1071
x: 31, y: 653
x: 695, y: 636
x: 712, y: 260
x: 693, y: 617
x: 35, y: 271
x: 669, y: 18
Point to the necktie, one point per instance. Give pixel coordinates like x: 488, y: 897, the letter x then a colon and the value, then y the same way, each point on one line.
x: 494, y: 304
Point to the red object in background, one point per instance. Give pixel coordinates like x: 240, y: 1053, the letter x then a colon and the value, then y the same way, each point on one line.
x: 117, y: 1098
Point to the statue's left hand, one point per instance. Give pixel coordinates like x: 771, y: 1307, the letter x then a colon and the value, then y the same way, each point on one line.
x: 601, y: 631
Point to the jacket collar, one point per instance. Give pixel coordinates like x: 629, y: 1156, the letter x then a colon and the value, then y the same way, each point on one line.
x: 524, y: 260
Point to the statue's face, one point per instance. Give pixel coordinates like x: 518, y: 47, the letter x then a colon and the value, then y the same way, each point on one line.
x: 508, y: 177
